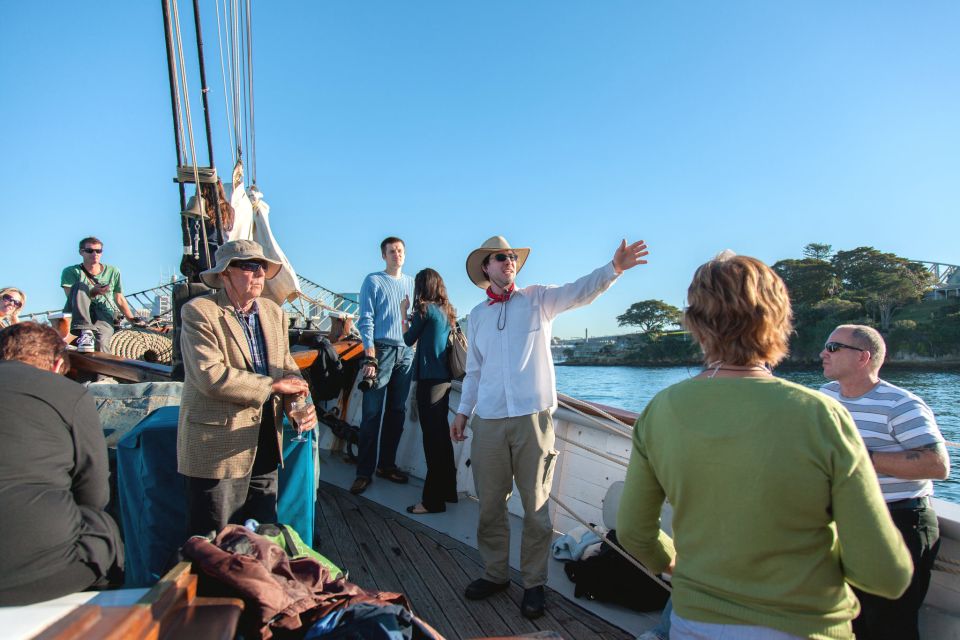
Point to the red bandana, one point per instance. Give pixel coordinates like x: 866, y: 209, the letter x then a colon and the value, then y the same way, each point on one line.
x: 496, y: 297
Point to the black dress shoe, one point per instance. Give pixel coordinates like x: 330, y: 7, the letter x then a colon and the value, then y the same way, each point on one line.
x: 533, y: 601
x: 480, y: 589
x: 394, y: 475
x: 359, y: 485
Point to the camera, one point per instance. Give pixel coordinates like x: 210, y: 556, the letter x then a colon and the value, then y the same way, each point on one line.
x: 369, y: 381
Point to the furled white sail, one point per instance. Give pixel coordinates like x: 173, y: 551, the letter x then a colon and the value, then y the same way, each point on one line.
x: 285, y: 287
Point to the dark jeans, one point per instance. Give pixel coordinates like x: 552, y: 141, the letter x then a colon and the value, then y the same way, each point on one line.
x: 882, y: 619
x: 440, y: 486
x: 386, y: 402
x: 87, y: 317
x: 214, y: 503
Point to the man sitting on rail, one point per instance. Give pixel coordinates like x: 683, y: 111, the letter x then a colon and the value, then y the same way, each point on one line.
x: 907, y: 451
x: 95, y: 298
x: 57, y: 536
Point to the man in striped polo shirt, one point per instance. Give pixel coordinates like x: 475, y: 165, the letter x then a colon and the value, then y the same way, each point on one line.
x: 907, y: 451
x: 388, y: 361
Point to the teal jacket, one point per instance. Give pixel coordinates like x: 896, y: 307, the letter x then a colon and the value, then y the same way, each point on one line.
x: 432, y: 333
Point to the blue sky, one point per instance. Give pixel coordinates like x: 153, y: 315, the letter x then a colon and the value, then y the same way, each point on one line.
x: 565, y: 126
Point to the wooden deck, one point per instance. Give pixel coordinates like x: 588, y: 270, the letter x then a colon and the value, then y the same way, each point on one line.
x: 386, y: 551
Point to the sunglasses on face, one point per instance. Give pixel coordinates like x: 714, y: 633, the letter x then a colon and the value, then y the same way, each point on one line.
x: 11, y: 300
x: 503, y: 257
x: 249, y: 265
x: 833, y: 347
x: 89, y: 250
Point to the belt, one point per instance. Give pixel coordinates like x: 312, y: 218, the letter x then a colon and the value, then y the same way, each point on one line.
x: 909, y: 503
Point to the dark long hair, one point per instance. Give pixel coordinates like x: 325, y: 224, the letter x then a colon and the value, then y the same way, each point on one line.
x: 428, y: 288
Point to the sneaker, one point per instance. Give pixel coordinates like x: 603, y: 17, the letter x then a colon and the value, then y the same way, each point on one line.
x: 85, y: 343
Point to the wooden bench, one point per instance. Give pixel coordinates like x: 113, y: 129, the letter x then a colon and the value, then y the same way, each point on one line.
x: 170, y: 610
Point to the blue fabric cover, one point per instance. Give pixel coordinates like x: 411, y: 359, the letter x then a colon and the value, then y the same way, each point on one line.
x: 153, y: 500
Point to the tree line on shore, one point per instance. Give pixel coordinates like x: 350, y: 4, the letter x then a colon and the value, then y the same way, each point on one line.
x: 826, y: 288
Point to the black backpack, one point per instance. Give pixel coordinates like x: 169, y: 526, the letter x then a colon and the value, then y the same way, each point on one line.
x: 327, y: 376
x: 609, y: 577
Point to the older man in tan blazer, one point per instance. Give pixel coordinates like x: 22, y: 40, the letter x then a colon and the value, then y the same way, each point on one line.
x: 239, y: 378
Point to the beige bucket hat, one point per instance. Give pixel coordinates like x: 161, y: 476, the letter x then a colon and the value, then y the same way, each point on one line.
x: 496, y: 244
x: 238, y: 250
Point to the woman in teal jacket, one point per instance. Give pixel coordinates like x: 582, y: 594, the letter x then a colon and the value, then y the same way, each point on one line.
x: 429, y: 325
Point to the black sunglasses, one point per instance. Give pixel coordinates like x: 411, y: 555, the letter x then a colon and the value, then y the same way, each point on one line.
x: 9, y: 298
x: 503, y: 257
x: 249, y: 265
x: 833, y: 347
x: 89, y: 250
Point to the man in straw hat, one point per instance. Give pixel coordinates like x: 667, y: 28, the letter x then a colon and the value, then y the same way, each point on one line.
x: 510, y: 386
x: 238, y: 371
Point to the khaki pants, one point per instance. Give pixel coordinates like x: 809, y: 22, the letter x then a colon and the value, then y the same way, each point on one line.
x: 505, y: 450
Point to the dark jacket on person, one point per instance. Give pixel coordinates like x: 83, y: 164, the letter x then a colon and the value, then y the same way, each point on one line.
x: 431, y: 332
x: 53, y: 487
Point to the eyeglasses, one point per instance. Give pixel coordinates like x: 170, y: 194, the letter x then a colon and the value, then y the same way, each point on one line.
x: 833, y: 347
x: 89, y: 250
x: 503, y: 257
x: 249, y: 265
x: 11, y: 300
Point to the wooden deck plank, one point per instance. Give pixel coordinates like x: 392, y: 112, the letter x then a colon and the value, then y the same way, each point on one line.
x: 490, y: 623
x: 461, y: 622
x: 341, y: 543
x: 392, y: 552
x: 323, y: 536
x: 378, y: 566
x: 403, y: 561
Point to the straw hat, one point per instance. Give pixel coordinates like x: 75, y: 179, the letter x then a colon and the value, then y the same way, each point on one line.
x: 496, y: 244
x: 238, y: 250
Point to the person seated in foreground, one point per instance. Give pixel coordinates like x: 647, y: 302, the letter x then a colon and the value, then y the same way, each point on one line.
x: 776, y: 507
x: 94, y: 298
x: 11, y: 302
x: 57, y: 536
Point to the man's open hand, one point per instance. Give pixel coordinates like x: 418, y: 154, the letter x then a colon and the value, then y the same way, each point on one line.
x: 627, y: 257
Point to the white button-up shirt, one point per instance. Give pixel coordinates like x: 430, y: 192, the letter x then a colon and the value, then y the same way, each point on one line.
x: 510, y: 370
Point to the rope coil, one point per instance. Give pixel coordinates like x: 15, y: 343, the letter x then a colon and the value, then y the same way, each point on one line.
x: 142, y: 344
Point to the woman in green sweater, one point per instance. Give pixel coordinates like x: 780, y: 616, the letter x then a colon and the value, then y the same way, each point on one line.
x: 429, y: 326
x: 776, y: 507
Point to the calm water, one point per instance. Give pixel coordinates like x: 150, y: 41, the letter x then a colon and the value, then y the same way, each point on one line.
x: 632, y: 388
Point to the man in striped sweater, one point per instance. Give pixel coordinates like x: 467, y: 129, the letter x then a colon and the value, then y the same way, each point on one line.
x: 907, y: 451
x: 389, y: 362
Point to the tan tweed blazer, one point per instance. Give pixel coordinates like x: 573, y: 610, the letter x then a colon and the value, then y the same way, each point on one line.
x: 222, y: 397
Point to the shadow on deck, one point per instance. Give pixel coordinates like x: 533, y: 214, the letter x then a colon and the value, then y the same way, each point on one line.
x: 386, y: 551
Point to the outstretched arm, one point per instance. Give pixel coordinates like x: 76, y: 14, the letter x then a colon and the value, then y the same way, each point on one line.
x: 585, y: 290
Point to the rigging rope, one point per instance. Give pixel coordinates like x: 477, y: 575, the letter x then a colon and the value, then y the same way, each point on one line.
x: 252, y: 149
x: 189, y: 119
x: 223, y: 77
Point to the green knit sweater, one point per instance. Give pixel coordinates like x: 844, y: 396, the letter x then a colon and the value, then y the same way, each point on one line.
x: 776, y: 506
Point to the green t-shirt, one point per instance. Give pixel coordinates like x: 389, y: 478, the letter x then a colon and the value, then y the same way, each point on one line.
x: 105, y: 305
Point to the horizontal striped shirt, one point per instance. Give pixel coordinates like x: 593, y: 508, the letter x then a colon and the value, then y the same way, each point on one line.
x: 380, y: 298
x: 891, y: 419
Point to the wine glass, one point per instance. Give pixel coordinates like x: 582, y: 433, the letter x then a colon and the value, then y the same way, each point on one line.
x: 298, y: 413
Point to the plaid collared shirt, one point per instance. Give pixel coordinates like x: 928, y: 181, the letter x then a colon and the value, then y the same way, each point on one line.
x: 250, y: 322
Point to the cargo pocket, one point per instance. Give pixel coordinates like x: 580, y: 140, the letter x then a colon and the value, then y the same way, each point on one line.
x: 549, y: 462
